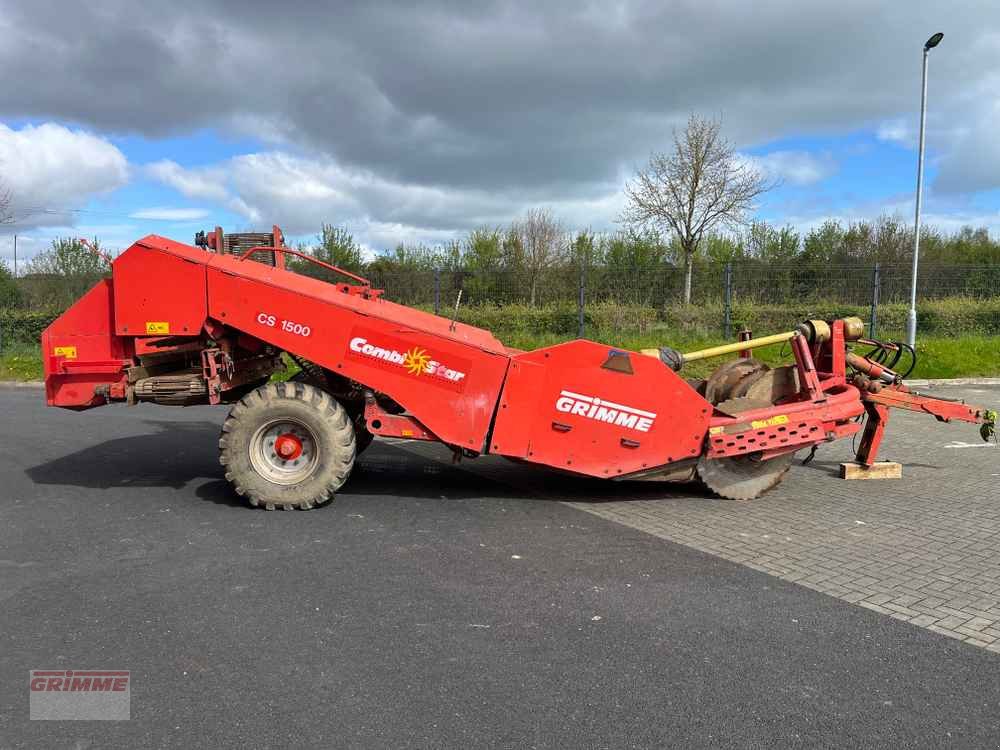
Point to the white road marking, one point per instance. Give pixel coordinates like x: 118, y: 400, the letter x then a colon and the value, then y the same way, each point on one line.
x: 960, y: 444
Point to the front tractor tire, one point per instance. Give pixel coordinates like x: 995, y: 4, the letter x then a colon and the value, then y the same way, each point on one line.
x: 287, y: 445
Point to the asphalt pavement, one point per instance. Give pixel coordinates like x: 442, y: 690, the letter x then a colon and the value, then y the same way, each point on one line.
x: 428, y: 607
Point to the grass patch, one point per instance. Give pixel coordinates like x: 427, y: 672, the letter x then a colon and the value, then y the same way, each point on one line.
x: 21, y: 362
x: 958, y: 357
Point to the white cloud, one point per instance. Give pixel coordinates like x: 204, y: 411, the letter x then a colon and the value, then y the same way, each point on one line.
x: 795, y: 167
x: 50, y: 169
x: 170, y: 214
x: 944, y: 215
x: 896, y: 131
x: 300, y: 194
x: 208, y: 184
x: 971, y: 159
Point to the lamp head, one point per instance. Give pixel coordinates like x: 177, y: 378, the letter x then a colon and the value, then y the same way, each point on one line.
x: 933, y: 42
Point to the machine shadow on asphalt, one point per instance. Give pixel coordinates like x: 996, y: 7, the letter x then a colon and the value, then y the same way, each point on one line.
x: 150, y: 460
x: 154, y: 460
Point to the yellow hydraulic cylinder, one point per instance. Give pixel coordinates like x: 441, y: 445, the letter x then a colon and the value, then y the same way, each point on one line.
x: 739, y: 346
x: 814, y: 330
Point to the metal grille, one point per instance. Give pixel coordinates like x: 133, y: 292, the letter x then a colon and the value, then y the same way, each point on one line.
x: 237, y: 244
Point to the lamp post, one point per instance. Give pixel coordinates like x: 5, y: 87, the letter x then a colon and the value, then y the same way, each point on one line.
x: 911, y: 318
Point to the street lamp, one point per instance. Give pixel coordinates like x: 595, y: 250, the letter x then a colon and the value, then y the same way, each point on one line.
x: 911, y: 318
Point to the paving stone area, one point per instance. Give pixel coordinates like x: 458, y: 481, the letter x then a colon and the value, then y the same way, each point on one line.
x: 924, y: 549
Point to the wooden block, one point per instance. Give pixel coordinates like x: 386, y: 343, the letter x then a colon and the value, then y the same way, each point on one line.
x: 879, y: 470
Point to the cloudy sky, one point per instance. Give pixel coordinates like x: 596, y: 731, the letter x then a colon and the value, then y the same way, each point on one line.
x: 416, y: 121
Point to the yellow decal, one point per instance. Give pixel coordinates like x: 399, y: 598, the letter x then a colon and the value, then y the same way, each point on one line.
x: 716, y: 430
x: 157, y: 327
x: 416, y: 361
x: 780, y: 419
x: 69, y: 352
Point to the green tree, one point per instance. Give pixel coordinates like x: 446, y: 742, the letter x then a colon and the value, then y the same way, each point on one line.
x: 512, y: 250
x: 969, y: 246
x: 407, y: 272
x: 586, y: 249
x: 57, y: 277
x: 635, y: 250
x: 336, y: 246
x: 70, y: 257
x: 10, y: 295
x: 406, y: 258
x: 721, y: 248
x: 633, y: 263
x: 480, y: 274
x: 762, y: 241
x: 823, y: 244
x: 483, y: 249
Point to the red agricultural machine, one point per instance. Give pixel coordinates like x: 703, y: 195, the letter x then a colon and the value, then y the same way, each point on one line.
x: 179, y: 324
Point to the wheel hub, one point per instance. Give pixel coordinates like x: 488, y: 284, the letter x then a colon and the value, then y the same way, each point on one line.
x: 284, y: 452
x: 288, y: 446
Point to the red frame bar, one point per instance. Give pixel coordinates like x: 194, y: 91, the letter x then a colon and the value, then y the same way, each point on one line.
x: 898, y: 397
x: 871, y: 441
x: 304, y: 256
x: 382, y: 423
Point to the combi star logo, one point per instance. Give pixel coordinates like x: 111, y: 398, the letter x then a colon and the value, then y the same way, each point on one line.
x: 401, y: 356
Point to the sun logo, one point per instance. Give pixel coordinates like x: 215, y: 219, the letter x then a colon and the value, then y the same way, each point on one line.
x: 416, y: 361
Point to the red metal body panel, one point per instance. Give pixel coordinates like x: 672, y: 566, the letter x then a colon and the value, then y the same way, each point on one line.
x: 160, y: 289
x: 511, y: 433
x: 81, y: 352
x: 303, y: 286
x: 581, y: 416
x: 448, y: 379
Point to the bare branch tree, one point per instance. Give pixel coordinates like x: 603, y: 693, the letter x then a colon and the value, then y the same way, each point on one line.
x: 697, y: 186
x: 542, y: 242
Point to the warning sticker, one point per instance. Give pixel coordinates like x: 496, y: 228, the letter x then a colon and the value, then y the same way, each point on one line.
x: 771, y: 422
x: 157, y: 327
x: 69, y: 352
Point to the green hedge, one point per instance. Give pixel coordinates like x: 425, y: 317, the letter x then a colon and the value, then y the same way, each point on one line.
x: 940, y: 318
x: 24, y: 326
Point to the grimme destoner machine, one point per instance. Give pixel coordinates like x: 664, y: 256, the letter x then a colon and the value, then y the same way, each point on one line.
x: 178, y: 325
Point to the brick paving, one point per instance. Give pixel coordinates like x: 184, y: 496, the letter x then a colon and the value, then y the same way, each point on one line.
x: 924, y: 549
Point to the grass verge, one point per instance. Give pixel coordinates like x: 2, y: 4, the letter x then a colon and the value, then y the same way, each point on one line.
x: 21, y: 362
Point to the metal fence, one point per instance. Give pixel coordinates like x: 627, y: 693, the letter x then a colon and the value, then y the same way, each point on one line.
x: 663, y: 284
x: 733, y: 292
x: 724, y: 297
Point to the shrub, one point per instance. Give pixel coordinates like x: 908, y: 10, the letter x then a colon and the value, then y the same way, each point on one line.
x: 24, y: 326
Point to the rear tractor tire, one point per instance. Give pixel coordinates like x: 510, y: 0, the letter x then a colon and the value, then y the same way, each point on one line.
x: 287, y: 445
